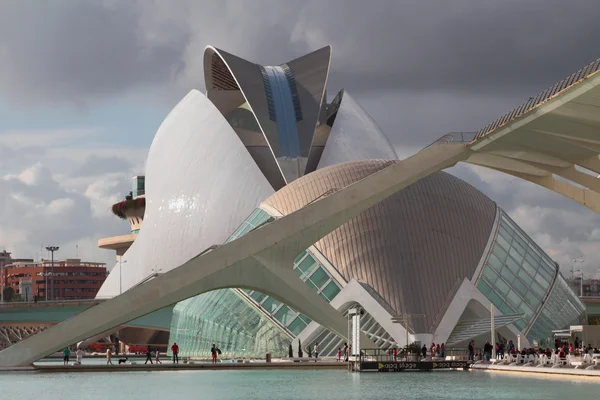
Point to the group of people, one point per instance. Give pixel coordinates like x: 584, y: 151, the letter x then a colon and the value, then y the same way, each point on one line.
x: 561, y: 348
x: 67, y: 354
x: 150, y: 354
x: 345, y: 352
x: 435, y: 351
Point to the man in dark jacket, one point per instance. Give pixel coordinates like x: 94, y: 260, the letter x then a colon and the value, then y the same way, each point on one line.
x: 471, y: 351
x: 487, y: 351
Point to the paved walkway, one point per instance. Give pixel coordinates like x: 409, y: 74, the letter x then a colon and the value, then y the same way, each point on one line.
x: 542, y: 370
x: 172, y: 367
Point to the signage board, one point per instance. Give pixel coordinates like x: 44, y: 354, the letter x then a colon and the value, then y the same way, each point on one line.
x: 396, y: 366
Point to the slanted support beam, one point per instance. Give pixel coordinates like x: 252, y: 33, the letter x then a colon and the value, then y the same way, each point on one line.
x: 584, y: 197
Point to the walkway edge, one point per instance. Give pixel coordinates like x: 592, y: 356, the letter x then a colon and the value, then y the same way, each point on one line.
x: 535, y: 370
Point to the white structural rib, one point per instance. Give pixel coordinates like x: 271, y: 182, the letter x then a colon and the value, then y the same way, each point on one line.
x: 258, y: 261
x: 355, y: 136
x: 201, y: 184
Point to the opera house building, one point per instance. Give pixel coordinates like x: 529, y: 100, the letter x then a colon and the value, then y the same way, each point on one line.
x: 265, y: 141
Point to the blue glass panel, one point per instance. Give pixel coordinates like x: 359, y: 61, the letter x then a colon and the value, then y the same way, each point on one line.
x: 289, y: 143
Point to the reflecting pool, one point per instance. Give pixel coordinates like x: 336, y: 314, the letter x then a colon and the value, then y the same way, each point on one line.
x: 279, y: 385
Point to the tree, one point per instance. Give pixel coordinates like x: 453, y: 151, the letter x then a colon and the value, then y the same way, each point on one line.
x: 291, y: 351
x: 299, y: 349
x: 309, y: 352
x: 8, y: 293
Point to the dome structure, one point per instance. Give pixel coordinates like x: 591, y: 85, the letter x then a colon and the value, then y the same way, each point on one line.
x: 423, y: 239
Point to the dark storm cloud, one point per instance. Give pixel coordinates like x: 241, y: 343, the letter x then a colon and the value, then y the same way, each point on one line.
x: 72, y: 50
x: 467, y: 45
x: 420, y: 68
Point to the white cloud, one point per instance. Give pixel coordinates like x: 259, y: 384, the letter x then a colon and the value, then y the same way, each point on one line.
x: 71, y: 209
x: 53, y: 137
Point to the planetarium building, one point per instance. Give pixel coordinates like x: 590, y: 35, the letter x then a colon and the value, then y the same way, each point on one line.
x: 264, y: 142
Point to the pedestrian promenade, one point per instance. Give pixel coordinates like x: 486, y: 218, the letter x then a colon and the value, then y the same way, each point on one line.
x: 174, y: 367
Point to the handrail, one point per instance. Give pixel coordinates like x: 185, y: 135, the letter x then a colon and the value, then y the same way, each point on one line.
x: 11, y: 304
x: 454, y: 137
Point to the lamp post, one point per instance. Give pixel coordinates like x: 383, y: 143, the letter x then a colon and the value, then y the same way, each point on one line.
x: 493, y: 331
x: 2, y: 277
x: 52, y: 249
x: 121, y: 262
x: 580, y: 270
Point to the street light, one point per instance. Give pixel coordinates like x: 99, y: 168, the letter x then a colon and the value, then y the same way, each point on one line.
x: 580, y: 270
x: 121, y: 274
x: 52, y: 249
x: 2, y: 277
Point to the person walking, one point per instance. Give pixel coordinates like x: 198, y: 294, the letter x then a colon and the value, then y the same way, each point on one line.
x: 316, y: 351
x: 79, y: 354
x: 471, y: 350
x: 487, y: 351
x: 148, y: 355
x: 108, y: 356
x: 346, y: 353
x: 158, y: 357
x: 339, y: 354
x: 66, y: 353
x: 175, y: 350
x: 214, y: 351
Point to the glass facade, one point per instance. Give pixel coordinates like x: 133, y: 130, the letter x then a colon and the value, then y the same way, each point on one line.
x: 517, y: 278
x: 562, y: 309
x: 138, y: 186
x: 314, y: 275
x: 224, y: 318
x: 231, y: 317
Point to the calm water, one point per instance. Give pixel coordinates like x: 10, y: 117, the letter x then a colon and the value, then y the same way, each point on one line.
x: 278, y: 385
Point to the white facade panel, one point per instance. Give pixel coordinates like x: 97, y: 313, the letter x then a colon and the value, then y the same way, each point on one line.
x: 201, y: 183
x: 355, y: 136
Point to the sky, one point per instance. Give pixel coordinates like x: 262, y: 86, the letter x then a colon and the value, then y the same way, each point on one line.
x: 84, y: 86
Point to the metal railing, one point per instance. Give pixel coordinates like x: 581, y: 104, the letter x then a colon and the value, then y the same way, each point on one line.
x: 31, y: 303
x: 455, y: 137
x: 455, y: 354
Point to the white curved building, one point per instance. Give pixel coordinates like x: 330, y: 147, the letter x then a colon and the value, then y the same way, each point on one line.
x: 264, y: 142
